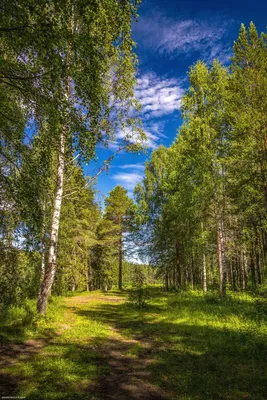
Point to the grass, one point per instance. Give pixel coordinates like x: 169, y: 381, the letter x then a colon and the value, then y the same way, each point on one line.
x: 201, y: 346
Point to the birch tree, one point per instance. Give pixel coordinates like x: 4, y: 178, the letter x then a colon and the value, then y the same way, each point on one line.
x: 96, y: 91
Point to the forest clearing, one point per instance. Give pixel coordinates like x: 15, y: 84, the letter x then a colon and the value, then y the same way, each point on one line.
x: 100, y: 346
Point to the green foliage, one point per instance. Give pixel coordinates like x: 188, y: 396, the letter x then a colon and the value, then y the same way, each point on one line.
x: 139, y: 295
x: 118, y: 206
x: 77, y: 235
x: 119, y: 211
x: 67, y: 71
x: 19, y: 273
x: 202, y: 204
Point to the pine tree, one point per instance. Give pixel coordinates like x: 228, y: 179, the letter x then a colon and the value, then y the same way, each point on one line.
x: 117, y: 210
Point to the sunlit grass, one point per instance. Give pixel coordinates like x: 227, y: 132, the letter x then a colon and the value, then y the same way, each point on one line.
x: 202, y: 346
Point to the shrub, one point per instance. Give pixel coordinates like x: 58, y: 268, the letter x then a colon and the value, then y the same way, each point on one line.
x: 139, y: 294
x: 139, y: 297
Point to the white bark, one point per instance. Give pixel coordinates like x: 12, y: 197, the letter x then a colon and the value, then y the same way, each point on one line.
x: 43, y: 258
x: 52, y: 254
x: 43, y: 248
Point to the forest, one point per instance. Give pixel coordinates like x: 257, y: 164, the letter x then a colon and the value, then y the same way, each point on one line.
x: 158, y: 294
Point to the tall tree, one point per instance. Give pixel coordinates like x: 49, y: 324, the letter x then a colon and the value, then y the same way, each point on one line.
x: 96, y: 92
x: 77, y: 233
x: 118, y: 206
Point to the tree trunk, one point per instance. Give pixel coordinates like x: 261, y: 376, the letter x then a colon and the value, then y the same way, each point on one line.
x: 258, y: 262
x: 87, y: 280
x: 120, y: 263
x: 245, y: 271
x: 88, y: 272
x: 43, y: 261
x: 264, y: 242
x: 212, y: 273
x: 48, y: 280
x: 252, y: 267
x: 232, y: 276
x: 178, y: 267
x: 239, y: 271
x: 204, y: 272
x: 73, y: 286
x: 174, y: 277
x: 43, y: 255
x: 192, y: 272
x: 221, y: 256
x: 166, y: 280
x: 264, y: 184
x: 219, y: 259
x: 43, y: 249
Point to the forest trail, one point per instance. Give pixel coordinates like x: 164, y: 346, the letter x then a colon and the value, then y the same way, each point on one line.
x: 127, y: 376
x: 101, y: 347
x: 122, y: 362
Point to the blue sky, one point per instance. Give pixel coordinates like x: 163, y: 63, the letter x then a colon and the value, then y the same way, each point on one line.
x: 172, y: 35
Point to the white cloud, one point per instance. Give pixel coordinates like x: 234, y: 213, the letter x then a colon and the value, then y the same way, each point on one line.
x: 175, y: 37
x: 137, y: 166
x: 128, y: 179
x: 158, y: 96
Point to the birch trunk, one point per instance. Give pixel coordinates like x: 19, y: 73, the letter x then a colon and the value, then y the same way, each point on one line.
x: 219, y: 259
x: 49, y: 276
x: 43, y: 249
x: 43, y: 256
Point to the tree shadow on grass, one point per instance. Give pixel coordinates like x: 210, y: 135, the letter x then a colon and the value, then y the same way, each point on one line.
x: 193, y: 361
x: 145, y: 357
x: 8, y: 385
x: 13, y: 353
x: 96, y: 371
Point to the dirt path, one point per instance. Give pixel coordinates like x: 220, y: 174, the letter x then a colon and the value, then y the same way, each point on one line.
x: 128, y: 376
x: 126, y: 361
